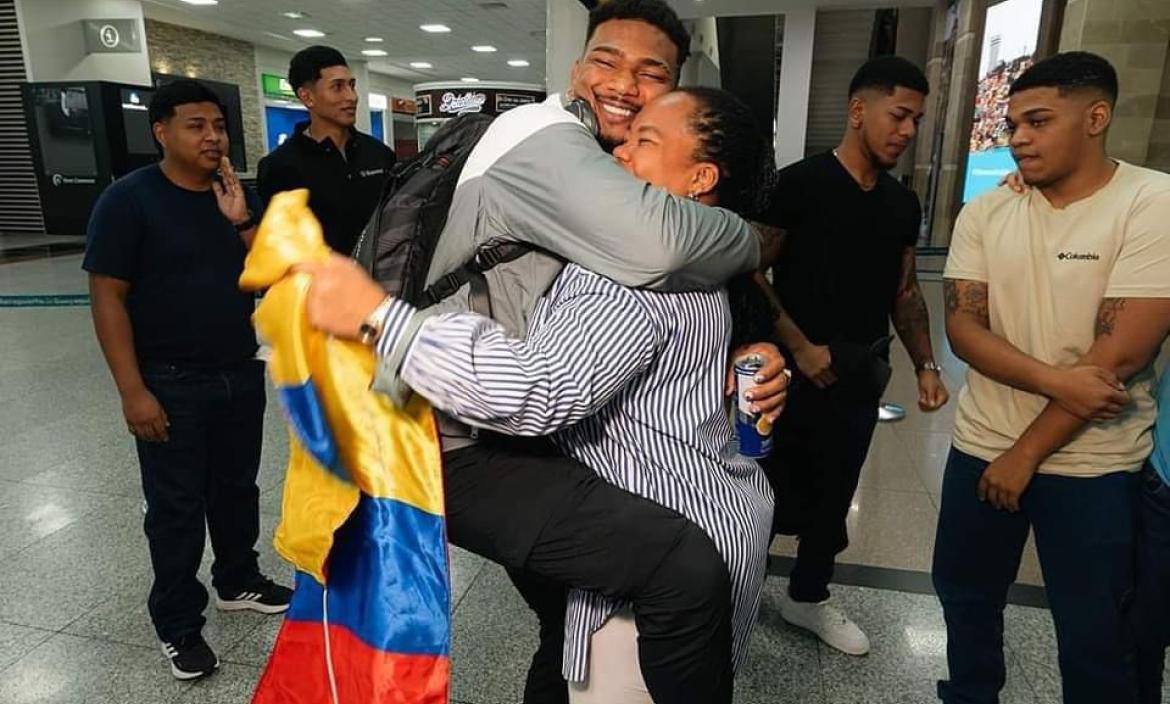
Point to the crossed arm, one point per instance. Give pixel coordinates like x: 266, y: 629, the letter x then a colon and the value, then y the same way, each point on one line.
x: 1128, y: 334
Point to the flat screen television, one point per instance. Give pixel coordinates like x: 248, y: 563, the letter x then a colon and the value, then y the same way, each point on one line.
x: 136, y: 121
x: 1010, y: 36
x: 64, y: 130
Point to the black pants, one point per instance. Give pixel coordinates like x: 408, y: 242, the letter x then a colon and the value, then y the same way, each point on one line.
x: 820, y: 444
x: 205, y: 474
x: 521, y: 504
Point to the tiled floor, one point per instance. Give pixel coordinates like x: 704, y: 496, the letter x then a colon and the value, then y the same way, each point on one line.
x: 73, y: 623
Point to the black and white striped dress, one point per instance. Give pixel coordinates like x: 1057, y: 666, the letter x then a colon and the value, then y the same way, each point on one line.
x: 631, y: 381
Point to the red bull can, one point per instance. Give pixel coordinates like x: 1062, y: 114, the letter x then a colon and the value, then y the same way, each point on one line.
x: 752, y: 429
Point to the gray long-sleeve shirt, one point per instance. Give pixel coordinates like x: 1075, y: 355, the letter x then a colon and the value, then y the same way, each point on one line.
x: 539, y: 176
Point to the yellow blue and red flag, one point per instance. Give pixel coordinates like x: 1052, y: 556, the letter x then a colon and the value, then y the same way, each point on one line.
x: 362, y: 512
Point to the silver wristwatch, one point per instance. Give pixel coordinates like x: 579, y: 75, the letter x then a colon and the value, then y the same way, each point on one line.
x: 371, y: 329
x: 930, y: 366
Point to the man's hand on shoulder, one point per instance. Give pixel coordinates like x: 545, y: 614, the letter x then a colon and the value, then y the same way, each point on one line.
x: 1015, y: 182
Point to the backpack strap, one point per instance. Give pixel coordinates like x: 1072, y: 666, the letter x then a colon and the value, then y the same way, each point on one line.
x: 472, y: 273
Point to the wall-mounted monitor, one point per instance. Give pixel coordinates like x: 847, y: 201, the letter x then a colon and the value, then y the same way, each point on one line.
x: 136, y: 121
x: 65, y: 130
x: 1010, y: 36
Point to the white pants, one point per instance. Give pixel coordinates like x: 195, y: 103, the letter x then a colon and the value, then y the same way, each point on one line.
x: 615, y: 675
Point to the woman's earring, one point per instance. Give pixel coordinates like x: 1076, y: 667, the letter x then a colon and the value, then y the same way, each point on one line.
x: 693, y: 195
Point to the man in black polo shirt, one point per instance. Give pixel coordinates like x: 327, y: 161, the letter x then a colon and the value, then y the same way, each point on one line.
x: 846, y: 271
x: 343, y: 169
x: 166, y: 248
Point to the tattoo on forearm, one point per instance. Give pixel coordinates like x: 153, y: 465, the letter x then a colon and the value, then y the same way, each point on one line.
x: 1107, y: 316
x: 912, y: 322
x: 951, y: 295
x: 771, y: 242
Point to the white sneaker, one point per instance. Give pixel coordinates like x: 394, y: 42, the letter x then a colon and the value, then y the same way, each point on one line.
x: 827, y: 623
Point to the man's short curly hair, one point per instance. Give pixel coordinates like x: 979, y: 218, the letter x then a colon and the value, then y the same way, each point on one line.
x: 653, y: 12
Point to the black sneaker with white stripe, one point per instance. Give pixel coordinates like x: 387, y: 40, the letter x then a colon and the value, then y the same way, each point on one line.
x: 264, y: 596
x: 190, y: 657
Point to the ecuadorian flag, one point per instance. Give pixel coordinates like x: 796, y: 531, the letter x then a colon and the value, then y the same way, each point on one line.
x: 362, y: 515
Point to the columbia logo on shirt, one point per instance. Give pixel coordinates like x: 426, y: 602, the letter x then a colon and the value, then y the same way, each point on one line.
x: 1078, y: 256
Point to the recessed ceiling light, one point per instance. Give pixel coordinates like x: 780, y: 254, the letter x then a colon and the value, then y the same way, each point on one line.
x: 294, y: 15
x: 484, y: 48
x: 434, y: 28
x: 374, y: 40
x: 469, y: 79
x: 518, y: 63
x: 373, y: 52
x: 201, y: 2
x: 421, y: 64
x: 308, y: 33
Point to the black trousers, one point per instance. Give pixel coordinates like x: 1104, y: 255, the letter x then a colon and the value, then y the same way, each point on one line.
x: 555, y: 524
x: 204, y: 475
x: 820, y: 444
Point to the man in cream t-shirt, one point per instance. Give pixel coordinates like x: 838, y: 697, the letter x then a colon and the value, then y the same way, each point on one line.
x: 1059, y: 299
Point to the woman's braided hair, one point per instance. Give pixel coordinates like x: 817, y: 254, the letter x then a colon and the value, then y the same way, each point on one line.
x: 730, y: 138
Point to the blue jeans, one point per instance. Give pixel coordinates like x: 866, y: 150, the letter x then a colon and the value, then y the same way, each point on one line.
x: 202, y: 480
x: 1152, y: 598
x: 1085, y: 536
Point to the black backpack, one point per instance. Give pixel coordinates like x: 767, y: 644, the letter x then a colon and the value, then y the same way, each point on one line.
x: 398, y: 243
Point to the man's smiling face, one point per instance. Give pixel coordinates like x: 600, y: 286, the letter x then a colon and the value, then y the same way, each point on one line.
x: 627, y: 64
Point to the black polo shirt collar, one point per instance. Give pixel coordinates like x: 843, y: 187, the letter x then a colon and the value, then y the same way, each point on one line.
x: 327, y: 145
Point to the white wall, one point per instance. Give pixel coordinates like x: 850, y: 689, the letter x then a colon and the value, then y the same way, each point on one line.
x: 362, y: 75
x: 390, y: 86
x: 565, y: 27
x: 55, y: 43
x: 702, y: 68
x: 795, y: 80
x: 274, y: 61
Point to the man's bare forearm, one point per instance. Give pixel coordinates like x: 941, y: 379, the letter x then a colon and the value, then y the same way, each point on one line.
x: 787, y: 331
x: 111, y: 322
x: 911, y: 320
x: 969, y: 331
x: 910, y: 315
x: 771, y: 243
x: 1126, y: 343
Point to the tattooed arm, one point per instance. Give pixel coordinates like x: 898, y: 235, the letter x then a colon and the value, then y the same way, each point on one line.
x: 1129, y: 333
x: 911, y: 319
x: 969, y: 330
x: 910, y: 316
x: 1088, y: 389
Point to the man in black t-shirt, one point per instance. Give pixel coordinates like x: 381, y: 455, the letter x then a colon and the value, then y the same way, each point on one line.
x: 343, y: 169
x: 846, y: 270
x: 166, y: 248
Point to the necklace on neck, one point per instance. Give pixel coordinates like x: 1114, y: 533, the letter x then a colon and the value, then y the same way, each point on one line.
x: 864, y: 186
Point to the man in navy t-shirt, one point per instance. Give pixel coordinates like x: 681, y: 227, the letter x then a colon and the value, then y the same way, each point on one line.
x: 166, y: 247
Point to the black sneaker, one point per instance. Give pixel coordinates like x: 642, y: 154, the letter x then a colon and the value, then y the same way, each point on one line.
x: 191, y: 657
x: 264, y: 596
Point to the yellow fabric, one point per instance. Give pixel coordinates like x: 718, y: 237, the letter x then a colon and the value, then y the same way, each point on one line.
x: 373, y: 437
x: 1047, y: 271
